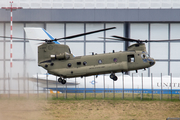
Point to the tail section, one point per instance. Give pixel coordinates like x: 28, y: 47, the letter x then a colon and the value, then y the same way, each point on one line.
x: 37, y: 33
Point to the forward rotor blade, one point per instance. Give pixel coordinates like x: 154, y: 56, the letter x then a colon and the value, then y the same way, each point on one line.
x: 78, y: 35
x: 11, y: 37
x: 68, y: 37
x: 21, y: 38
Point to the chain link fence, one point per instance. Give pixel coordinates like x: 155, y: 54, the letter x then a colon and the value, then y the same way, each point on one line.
x: 126, y: 87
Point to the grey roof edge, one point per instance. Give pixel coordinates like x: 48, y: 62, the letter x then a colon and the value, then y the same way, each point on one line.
x: 92, y: 15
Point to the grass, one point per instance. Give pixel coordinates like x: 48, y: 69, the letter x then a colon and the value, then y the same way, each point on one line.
x: 92, y: 96
x: 48, y: 107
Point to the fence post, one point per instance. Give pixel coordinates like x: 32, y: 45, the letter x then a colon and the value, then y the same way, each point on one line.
x: 37, y: 86
x: 161, y: 88
x: 104, y: 85
x: 132, y: 86
x: 94, y: 87
x: 47, y: 85
x: 5, y: 84
x: 66, y: 91
x: 171, y: 86
x: 142, y: 86
x: 9, y: 85
x: 24, y: 82
x: 75, y: 89
x: 113, y: 90
x: 56, y: 88
x: 28, y: 85
x: 152, y: 84
x: 123, y: 85
x: 85, y: 87
x: 18, y: 86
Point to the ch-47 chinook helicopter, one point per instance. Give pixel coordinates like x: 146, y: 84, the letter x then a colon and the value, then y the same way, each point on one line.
x: 58, y: 60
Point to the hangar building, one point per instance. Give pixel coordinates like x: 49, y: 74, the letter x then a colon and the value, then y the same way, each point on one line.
x: 138, y: 19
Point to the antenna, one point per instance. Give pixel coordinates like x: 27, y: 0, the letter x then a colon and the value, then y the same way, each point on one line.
x: 11, y: 28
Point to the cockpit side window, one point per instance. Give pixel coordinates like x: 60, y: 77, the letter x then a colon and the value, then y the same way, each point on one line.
x: 131, y: 58
x: 143, y: 56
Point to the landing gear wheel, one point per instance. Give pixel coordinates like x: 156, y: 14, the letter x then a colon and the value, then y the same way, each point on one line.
x: 59, y: 80
x: 113, y: 76
x: 63, y: 81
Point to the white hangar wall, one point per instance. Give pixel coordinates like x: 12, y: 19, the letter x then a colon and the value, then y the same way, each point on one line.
x: 138, y: 19
x: 166, y: 54
x: 24, y: 58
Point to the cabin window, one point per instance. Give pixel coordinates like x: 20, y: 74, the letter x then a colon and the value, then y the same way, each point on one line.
x: 69, y: 65
x: 115, y: 59
x: 78, y: 63
x: 84, y: 63
x: 131, y: 58
x: 99, y: 61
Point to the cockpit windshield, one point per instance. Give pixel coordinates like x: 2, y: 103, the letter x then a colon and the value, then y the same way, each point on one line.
x: 147, y: 55
x: 144, y: 55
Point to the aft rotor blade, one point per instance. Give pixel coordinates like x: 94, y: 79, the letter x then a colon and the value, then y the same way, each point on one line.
x: 140, y: 41
x: 111, y: 38
x: 87, y: 33
x: 171, y: 40
x: 125, y: 39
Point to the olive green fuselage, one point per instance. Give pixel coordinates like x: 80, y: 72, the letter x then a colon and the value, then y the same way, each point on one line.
x: 69, y: 66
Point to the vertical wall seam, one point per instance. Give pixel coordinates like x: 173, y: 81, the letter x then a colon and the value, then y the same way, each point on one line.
x: 149, y: 38
x: 169, y: 47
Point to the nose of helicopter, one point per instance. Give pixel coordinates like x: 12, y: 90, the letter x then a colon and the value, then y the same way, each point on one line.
x: 151, y: 61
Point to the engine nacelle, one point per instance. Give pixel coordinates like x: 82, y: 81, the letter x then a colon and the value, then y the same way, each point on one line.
x: 61, y: 56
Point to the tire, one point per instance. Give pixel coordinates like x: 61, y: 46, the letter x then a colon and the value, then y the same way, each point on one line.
x: 60, y: 80
x: 111, y: 76
x: 115, y: 78
x: 63, y: 81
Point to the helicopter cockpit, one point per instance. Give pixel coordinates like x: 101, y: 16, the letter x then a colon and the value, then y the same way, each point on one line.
x: 145, y: 56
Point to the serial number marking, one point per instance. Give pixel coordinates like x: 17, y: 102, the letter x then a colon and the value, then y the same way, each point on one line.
x: 97, y: 67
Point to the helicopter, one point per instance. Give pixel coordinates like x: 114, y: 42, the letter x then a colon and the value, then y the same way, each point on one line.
x: 58, y: 60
